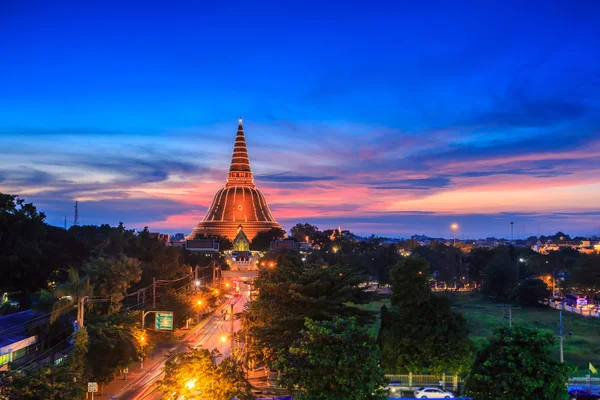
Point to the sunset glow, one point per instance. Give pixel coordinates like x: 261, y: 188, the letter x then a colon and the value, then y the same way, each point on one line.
x: 400, y: 144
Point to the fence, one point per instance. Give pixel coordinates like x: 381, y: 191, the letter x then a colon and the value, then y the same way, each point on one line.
x: 584, y: 380
x: 413, y: 381
x: 586, y: 312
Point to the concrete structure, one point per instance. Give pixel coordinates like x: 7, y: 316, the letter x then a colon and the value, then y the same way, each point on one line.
x: 239, y: 202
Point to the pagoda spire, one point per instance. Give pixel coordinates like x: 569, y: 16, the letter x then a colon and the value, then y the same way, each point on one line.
x: 239, y: 171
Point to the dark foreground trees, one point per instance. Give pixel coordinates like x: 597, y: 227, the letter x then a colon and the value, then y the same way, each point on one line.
x: 517, y: 364
x: 333, y: 360
x: 290, y: 292
x: 423, y: 334
x: 302, y: 324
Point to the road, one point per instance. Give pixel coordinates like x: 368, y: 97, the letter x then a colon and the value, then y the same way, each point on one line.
x: 212, y: 333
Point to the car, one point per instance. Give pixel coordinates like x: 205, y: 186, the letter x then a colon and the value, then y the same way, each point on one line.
x: 432, y: 393
x: 581, y: 394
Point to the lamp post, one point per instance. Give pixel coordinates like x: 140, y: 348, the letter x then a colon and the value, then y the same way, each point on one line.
x: 454, y: 227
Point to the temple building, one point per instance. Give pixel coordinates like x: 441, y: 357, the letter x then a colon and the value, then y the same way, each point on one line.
x: 239, y: 203
x: 241, y: 258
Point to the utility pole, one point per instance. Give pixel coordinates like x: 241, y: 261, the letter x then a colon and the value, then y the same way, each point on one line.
x: 65, y: 222
x: 512, y: 237
x: 153, y: 292
x: 76, y: 216
x: 231, y: 324
x: 509, y: 317
x: 561, y: 337
x: 512, y: 244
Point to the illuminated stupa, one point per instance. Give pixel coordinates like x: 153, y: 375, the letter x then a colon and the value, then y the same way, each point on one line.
x: 239, y: 202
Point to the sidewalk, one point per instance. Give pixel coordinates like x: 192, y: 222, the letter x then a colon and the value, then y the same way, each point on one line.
x: 159, y: 354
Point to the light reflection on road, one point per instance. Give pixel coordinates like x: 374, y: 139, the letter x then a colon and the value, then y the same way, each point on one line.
x: 206, y: 335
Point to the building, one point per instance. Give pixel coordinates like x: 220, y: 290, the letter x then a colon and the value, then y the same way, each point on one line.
x: 202, y: 246
x: 285, y: 245
x: 241, y: 258
x: 239, y: 202
x: 15, y: 342
x: 165, y: 237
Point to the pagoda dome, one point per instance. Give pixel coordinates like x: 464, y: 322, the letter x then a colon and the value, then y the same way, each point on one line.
x: 239, y: 202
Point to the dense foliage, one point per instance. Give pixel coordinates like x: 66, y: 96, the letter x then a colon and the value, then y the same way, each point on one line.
x: 518, y: 364
x: 333, y: 360
x: 423, y: 334
x: 289, y: 293
x: 530, y: 292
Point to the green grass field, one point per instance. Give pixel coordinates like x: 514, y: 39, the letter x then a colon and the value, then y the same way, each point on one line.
x: 484, y: 316
x: 581, y: 348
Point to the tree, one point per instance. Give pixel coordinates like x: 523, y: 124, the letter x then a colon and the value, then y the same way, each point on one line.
x: 586, y: 274
x: 478, y: 259
x: 445, y: 262
x: 196, y: 375
x: 428, y: 338
x: 76, y: 362
x: 530, y: 292
x: 262, y: 240
x: 47, y: 382
x: 301, y: 231
x: 112, y: 277
x: 113, y: 345
x: 291, y: 291
x: 333, y: 360
x: 499, y: 280
x: 423, y: 334
x: 411, y: 282
x: 224, y: 242
x: 518, y: 364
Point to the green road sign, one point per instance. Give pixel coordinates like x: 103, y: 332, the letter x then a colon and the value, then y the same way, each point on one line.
x: 164, y: 321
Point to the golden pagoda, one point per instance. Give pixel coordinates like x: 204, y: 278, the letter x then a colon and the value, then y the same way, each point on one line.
x: 239, y: 203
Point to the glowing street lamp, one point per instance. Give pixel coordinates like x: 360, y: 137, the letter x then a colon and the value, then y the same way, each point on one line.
x: 227, y: 285
x: 454, y: 227
x: 199, y: 302
x: 223, y: 339
x: 197, y: 283
x: 190, y: 384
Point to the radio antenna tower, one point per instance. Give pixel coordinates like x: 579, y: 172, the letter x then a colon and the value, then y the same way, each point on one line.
x: 76, y: 217
x: 65, y: 222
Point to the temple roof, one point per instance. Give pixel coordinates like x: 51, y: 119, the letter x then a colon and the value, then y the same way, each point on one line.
x: 239, y: 202
x: 239, y: 171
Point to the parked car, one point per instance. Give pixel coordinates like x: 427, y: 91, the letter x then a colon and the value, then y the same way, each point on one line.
x: 432, y: 393
x: 580, y: 394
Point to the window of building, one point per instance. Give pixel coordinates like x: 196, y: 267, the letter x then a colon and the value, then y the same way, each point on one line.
x: 4, y: 359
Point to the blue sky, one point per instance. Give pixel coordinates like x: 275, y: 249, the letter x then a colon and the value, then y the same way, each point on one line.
x: 385, y: 118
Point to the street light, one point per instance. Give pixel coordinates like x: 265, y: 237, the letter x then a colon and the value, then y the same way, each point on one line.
x: 190, y: 384
x: 223, y: 339
x: 199, y: 302
x: 454, y: 227
x: 197, y: 283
